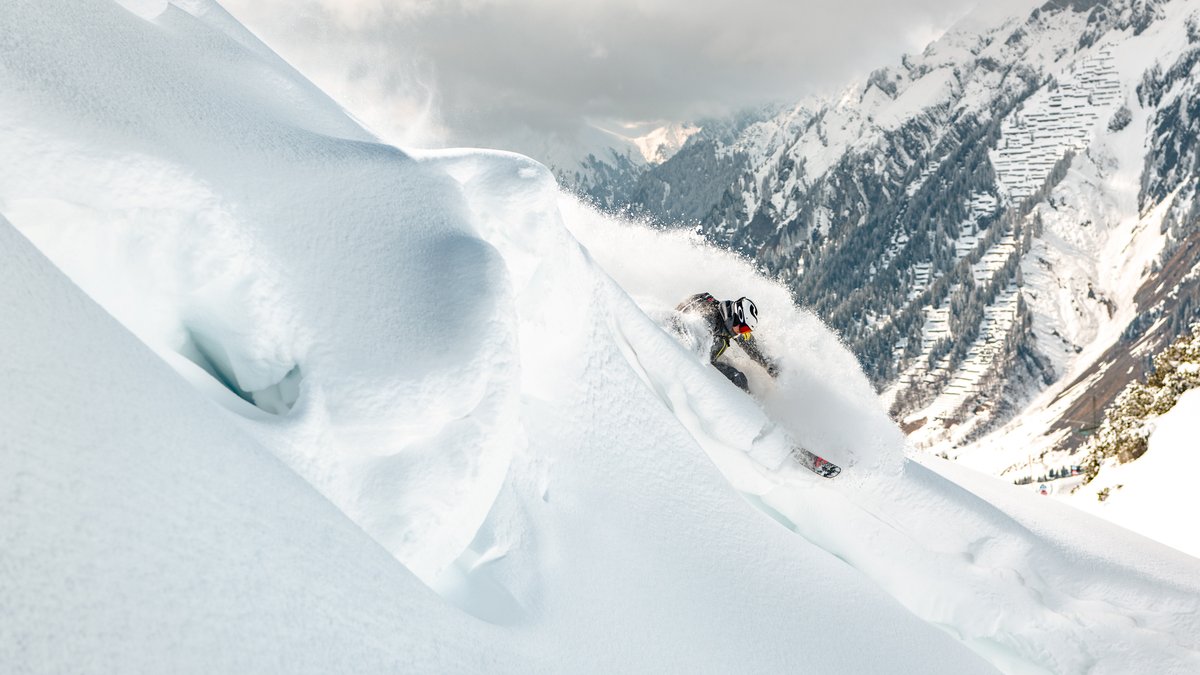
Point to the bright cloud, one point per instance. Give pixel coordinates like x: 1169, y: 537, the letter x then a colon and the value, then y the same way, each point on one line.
x: 470, y: 71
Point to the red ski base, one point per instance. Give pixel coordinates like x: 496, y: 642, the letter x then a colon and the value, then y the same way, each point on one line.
x: 818, y: 465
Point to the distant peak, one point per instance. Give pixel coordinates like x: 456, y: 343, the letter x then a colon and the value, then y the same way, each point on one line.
x: 662, y: 143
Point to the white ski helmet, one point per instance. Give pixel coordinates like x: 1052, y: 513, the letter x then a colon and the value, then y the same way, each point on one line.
x: 740, y: 315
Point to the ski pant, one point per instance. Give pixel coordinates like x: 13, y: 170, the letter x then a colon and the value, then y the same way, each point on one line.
x: 735, y: 376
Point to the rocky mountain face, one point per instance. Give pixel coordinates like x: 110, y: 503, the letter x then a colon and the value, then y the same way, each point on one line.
x: 1128, y: 423
x: 1007, y: 219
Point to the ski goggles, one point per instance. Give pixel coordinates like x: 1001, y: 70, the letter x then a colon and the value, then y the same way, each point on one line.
x: 741, y: 329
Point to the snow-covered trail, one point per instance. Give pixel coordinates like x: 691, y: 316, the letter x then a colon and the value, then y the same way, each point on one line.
x: 229, y: 213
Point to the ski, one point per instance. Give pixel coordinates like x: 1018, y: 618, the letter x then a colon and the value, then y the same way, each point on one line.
x: 818, y: 465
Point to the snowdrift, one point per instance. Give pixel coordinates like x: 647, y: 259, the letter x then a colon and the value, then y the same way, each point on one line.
x: 142, y: 532
x: 434, y: 423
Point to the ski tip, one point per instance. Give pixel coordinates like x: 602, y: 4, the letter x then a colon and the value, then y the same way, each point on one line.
x: 818, y: 465
x: 825, y: 468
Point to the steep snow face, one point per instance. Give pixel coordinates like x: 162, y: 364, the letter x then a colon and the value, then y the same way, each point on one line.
x: 974, y: 563
x: 419, y: 338
x: 193, y: 166
x: 615, y: 407
x: 143, y: 531
x: 423, y: 338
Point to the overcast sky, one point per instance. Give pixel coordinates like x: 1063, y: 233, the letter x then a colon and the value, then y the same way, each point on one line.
x: 434, y: 72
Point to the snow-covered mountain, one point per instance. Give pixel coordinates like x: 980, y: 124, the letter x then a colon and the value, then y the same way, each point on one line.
x: 661, y: 143
x: 583, y: 156
x: 596, y: 162
x: 999, y: 225
x: 275, y: 397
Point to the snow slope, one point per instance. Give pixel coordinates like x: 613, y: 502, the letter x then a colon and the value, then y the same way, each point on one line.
x: 1154, y: 495
x: 201, y: 201
x: 981, y: 563
x: 413, y: 354
x: 351, y: 293
x: 143, y: 532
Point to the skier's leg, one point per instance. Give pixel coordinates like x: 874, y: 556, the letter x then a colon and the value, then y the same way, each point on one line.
x: 735, y: 376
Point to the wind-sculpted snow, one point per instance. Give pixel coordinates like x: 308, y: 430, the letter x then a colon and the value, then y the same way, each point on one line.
x: 606, y: 389
x: 263, y: 249
x: 425, y: 341
x: 143, y: 532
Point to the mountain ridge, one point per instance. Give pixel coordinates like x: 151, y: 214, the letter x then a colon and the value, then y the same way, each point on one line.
x: 911, y: 211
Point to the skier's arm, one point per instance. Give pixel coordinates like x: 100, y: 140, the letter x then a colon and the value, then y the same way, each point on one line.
x: 750, y: 346
x: 693, y: 302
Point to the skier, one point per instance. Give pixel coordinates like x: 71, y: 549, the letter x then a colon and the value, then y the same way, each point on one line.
x: 729, y: 320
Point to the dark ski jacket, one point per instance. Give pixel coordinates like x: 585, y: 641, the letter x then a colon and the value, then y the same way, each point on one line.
x: 705, y: 305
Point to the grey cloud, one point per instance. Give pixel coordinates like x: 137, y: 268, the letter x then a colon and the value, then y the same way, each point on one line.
x: 547, y: 65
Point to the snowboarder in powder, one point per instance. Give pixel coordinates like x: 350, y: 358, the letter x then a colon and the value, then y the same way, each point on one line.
x: 729, y: 320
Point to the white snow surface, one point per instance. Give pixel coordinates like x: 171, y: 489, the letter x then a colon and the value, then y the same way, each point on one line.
x: 1154, y: 496
x: 303, y: 402
x: 143, y: 532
